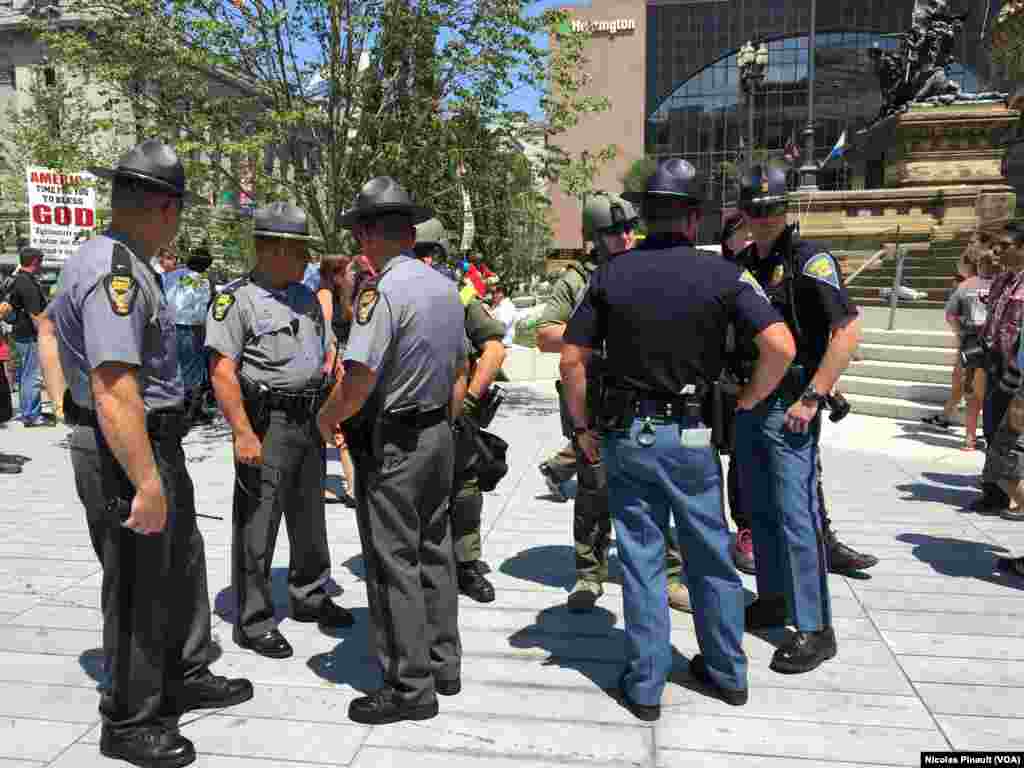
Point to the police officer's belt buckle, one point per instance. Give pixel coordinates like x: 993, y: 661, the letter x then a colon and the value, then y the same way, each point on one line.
x: 646, y: 436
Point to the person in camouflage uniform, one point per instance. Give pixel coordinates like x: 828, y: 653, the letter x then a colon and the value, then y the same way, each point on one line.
x: 608, y: 223
x: 486, y: 356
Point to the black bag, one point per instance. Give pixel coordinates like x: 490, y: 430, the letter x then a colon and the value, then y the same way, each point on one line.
x: 491, y: 465
x: 972, y: 353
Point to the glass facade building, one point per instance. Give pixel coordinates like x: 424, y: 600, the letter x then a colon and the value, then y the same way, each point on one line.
x: 697, y: 110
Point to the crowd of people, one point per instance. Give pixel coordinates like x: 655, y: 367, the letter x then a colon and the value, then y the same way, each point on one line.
x: 391, y: 357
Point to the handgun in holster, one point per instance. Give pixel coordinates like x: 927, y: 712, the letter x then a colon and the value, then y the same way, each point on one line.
x: 120, y: 509
x: 255, y: 395
x: 720, y: 418
x: 489, y: 405
x: 616, y: 408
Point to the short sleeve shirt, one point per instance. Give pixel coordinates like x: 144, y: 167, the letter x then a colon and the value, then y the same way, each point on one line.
x: 105, y: 318
x: 482, y: 326
x: 565, y: 295
x: 409, y: 328
x: 968, y: 303
x: 662, y: 311
x: 821, y: 299
x: 26, y: 296
x: 276, y: 336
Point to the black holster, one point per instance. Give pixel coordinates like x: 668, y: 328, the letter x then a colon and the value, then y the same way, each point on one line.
x: 720, y: 413
x: 616, y: 409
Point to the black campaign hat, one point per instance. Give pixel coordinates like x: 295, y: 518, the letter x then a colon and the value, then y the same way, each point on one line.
x: 672, y: 179
x: 281, y: 220
x: 382, y: 196
x: 154, y: 164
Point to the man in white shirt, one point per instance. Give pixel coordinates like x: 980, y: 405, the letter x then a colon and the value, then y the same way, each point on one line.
x: 505, y: 312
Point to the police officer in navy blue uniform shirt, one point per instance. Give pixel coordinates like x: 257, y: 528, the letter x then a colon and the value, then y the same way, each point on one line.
x: 117, y: 342
x: 656, y: 442
x: 777, y: 442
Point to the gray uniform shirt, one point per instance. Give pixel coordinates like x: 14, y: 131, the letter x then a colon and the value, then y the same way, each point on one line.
x: 277, y: 337
x: 129, y: 322
x: 409, y: 328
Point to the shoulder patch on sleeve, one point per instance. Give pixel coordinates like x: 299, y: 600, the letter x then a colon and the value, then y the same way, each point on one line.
x: 366, y: 302
x: 121, y: 286
x: 222, y: 305
x: 749, y: 279
x: 822, y: 267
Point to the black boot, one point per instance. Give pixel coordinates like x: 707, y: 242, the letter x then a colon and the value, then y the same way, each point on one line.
x: 765, y: 612
x: 993, y: 500
x: 153, y: 747
x: 805, y: 651
x: 473, y: 584
x: 383, y: 706
x: 210, y: 692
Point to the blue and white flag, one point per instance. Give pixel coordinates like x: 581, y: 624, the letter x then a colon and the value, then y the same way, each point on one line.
x: 837, y: 151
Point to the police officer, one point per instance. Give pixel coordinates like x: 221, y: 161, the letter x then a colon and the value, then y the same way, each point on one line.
x: 487, y: 354
x: 777, y: 442
x: 656, y: 441
x: 270, y: 347
x: 116, y: 333
x: 608, y: 223
x: 405, y: 378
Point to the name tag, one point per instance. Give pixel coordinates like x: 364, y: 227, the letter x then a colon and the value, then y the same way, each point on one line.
x: 695, y: 438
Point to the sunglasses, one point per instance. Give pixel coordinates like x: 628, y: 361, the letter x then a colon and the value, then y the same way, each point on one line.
x: 764, y: 210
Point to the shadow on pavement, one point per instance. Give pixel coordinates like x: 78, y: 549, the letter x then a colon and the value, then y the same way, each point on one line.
x: 945, y: 478
x: 936, y: 436
x: 553, y: 565
x: 960, y: 558
x: 957, y: 497
x: 351, y: 662
x: 523, y: 402
x: 225, y: 605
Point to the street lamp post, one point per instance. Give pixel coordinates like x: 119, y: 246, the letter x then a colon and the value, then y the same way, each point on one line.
x: 753, y: 66
x: 809, y: 172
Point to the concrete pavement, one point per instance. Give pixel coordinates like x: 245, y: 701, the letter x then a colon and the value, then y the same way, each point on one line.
x: 931, y: 650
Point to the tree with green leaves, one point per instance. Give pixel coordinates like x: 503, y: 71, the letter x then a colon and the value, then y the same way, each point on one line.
x: 308, y: 99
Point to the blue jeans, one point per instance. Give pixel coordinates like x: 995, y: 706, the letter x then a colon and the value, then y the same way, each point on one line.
x: 778, y: 484
x: 191, y: 357
x: 645, y: 485
x: 29, y: 396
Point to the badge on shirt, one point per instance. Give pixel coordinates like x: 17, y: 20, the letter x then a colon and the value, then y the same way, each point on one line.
x: 778, y: 275
x: 221, y: 305
x: 366, y: 303
x: 750, y: 280
x: 822, y: 267
x: 121, y: 292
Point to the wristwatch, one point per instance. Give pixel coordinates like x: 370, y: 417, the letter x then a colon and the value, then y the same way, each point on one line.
x: 577, y: 431
x: 811, y: 394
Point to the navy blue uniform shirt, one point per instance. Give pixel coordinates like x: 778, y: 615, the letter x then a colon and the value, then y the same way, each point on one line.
x: 661, y: 312
x: 821, y: 300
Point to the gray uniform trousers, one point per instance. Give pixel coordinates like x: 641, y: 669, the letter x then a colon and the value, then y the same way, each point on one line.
x: 405, y: 531
x: 290, y: 482
x: 156, y: 607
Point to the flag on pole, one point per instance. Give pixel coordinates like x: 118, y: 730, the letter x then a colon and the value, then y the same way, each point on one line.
x: 837, y: 151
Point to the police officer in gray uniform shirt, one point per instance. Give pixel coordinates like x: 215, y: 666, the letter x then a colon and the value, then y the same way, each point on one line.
x: 271, y: 347
x: 116, y: 336
x: 405, y: 378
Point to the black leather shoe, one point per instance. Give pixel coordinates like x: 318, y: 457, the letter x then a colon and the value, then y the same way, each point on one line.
x: 992, y: 502
x: 806, y: 651
x: 154, y: 747
x: 646, y: 712
x: 448, y: 687
x: 766, y: 611
x: 270, y: 644
x: 699, y: 672
x: 212, y: 692
x: 473, y: 584
x: 382, y: 707
x: 330, y: 615
x: 9, y: 469
x: 843, y: 559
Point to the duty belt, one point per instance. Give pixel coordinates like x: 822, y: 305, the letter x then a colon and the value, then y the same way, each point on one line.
x: 670, y: 408
x: 164, y: 421
x: 416, y: 419
x: 293, y: 402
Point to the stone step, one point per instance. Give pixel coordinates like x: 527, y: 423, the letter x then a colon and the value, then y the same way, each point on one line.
x: 895, y: 389
x: 910, y: 338
x: 880, y: 369
x: 918, y: 282
x: 908, y: 354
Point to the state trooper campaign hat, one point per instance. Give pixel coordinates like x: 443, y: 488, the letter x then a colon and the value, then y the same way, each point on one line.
x: 281, y: 220
x: 673, y: 179
x: 154, y: 164
x: 606, y: 213
x: 382, y: 196
x: 763, y: 190
x: 432, y: 232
